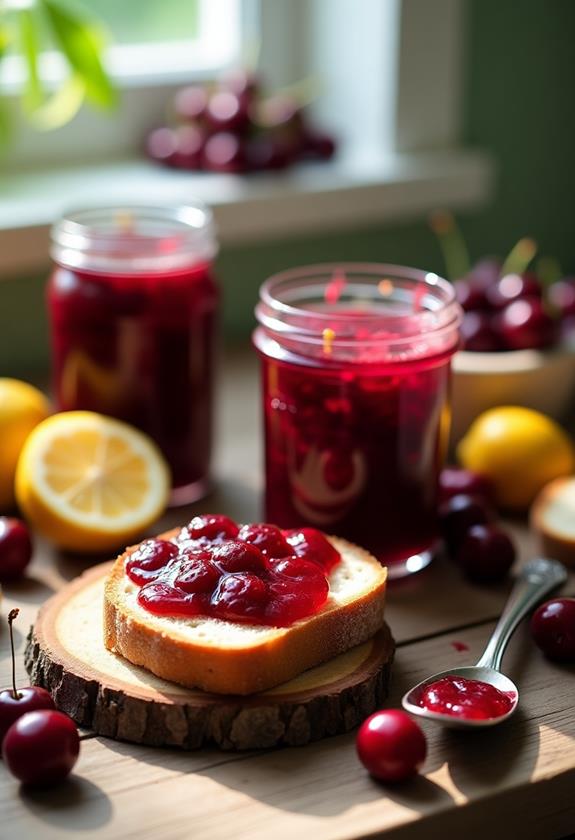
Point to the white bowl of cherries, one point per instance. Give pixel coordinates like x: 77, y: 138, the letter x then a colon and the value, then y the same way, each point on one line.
x: 517, y: 337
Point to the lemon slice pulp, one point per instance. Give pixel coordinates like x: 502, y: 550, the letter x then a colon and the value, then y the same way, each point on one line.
x: 90, y: 483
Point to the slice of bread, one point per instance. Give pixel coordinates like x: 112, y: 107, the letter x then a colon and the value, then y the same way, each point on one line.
x: 226, y: 657
x: 553, y: 520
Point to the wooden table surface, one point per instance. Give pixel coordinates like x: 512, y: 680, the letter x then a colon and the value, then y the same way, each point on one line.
x: 517, y: 780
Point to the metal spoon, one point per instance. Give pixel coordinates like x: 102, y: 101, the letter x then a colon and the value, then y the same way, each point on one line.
x: 536, y: 579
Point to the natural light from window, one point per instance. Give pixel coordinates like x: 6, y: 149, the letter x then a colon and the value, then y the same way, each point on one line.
x: 154, y: 40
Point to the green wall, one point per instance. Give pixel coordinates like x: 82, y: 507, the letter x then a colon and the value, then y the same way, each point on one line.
x: 519, y: 89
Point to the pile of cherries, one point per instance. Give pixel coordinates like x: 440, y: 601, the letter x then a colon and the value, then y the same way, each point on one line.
x: 252, y: 573
x: 513, y: 311
x: 473, y: 540
x: 40, y: 745
x: 233, y: 127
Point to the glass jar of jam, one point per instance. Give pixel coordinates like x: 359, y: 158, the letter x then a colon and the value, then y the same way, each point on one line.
x: 356, y: 371
x: 132, y: 302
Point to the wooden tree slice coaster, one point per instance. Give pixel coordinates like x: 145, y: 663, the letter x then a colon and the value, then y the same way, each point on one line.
x: 106, y: 693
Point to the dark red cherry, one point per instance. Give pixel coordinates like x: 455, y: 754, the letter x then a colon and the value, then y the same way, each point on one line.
x: 454, y: 480
x: 391, y: 745
x: 513, y: 287
x: 266, y: 151
x: 41, y: 748
x: 190, y: 103
x: 212, y: 526
x: 458, y: 514
x: 162, y: 145
x: 562, y: 296
x: 485, y: 272
x: 479, y: 333
x: 28, y: 699
x: 240, y: 595
x: 150, y: 557
x: 196, y: 572
x: 318, y: 145
x: 553, y: 629
x: 15, y: 702
x: 525, y: 325
x: 485, y: 554
x: 243, y: 83
x: 224, y: 152
x: 297, y: 568
x: 469, y: 296
x: 15, y: 548
x: 190, y: 141
x: 471, y: 290
x: 226, y: 111
x: 297, y: 588
x: 268, y: 538
x: 314, y: 546
x: 567, y: 329
x: 235, y: 556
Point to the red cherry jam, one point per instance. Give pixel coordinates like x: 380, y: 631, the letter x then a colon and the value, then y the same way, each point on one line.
x: 355, y: 383
x: 464, y: 698
x: 255, y: 573
x: 132, y: 314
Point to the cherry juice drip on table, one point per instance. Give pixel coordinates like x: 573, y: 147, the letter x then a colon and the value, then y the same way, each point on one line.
x: 132, y: 301
x: 464, y: 698
x: 355, y: 385
x: 139, y: 348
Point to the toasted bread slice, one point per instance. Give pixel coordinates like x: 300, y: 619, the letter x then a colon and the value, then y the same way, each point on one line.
x: 226, y: 657
x: 553, y: 520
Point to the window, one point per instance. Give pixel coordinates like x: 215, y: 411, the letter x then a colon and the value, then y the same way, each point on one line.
x: 389, y: 69
x: 390, y: 73
x: 157, y: 45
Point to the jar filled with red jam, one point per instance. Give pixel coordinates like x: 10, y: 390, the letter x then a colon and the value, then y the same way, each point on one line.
x: 132, y: 302
x: 355, y: 376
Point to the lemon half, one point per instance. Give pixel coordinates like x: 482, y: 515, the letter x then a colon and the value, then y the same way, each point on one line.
x: 90, y: 483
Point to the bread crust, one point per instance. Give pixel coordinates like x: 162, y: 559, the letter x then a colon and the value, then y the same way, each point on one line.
x: 282, y: 655
x: 554, y: 545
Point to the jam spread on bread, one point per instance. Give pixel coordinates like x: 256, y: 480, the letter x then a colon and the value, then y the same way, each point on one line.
x: 252, y: 573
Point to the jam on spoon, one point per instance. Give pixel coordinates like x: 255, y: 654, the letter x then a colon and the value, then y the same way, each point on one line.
x: 464, y: 698
x: 480, y: 695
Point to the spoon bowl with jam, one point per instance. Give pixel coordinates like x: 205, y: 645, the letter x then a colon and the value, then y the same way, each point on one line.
x: 480, y: 695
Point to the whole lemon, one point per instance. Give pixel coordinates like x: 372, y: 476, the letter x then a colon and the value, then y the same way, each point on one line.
x: 22, y: 407
x: 520, y: 450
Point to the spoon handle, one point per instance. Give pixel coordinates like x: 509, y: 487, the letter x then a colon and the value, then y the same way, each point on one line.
x: 536, y: 579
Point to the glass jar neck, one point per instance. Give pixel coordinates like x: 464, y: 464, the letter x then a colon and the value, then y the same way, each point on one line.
x: 360, y: 312
x: 134, y: 240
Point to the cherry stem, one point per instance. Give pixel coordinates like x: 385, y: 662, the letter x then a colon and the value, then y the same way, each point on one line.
x: 519, y: 257
x: 251, y: 53
x: 452, y: 244
x: 303, y: 92
x: 11, y: 616
x: 548, y: 270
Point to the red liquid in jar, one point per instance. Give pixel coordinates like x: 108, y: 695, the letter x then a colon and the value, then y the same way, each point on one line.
x: 139, y: 347
x: 355, y: 449
x: 464, y: 698
x: 256, y: 574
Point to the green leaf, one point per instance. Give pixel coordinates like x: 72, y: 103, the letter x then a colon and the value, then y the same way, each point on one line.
x: 30, y: 46
x: 82, y: 42
x: 5, y: 39
x: 60, y: 107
